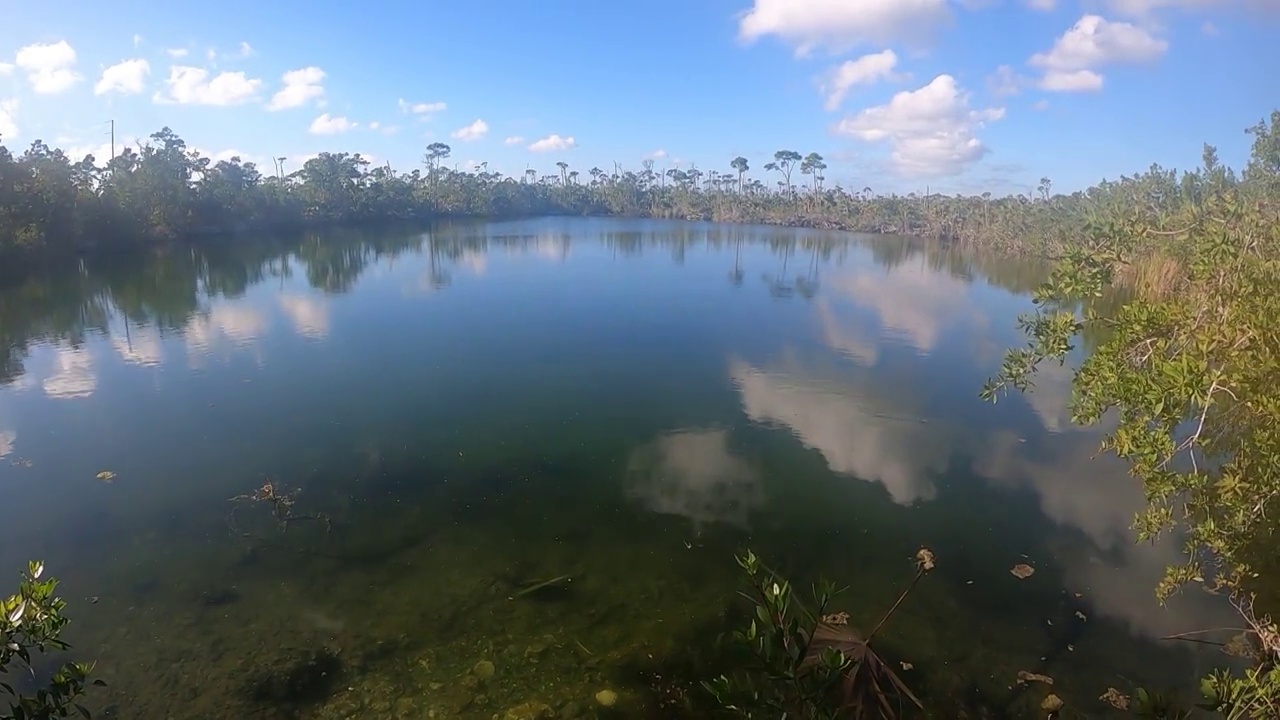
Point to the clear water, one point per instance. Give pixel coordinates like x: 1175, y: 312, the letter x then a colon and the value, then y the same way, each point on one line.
x: 628, y: 403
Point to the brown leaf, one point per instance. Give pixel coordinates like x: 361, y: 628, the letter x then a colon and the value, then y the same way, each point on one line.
x: 1115, y: 699
x: 1022, y: 571
x: 1051, y: 704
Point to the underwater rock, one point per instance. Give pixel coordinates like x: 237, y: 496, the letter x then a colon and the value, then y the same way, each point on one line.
x: 303, y: 679
x: 607, y: 698
x: 484, y: 669
x: 529, y: 711
x: 1051, y: 704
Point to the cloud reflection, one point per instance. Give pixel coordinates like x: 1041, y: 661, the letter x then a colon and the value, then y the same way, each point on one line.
x: 7, y: 439
x: 235, y: 323
x: 857, y: 433
x: 912, y: 302
x: 73, y: 375
x: 141, y: 346
x: 694, y: 474
x: 309, y: 315
x: 1098, y: 497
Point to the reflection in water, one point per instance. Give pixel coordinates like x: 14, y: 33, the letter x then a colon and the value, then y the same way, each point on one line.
x: 911, y: 301
x: 693, y: 473
x: 141, y: 346
x: 72, y: 376
x: 854, y: 431
x: 308, y: 315
x: 1097, y: 497
x: 233, y: 323
x: 562, y: 356
x: 846, y: 336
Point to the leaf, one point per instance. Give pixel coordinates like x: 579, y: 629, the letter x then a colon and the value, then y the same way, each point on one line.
x: 1022, y: 571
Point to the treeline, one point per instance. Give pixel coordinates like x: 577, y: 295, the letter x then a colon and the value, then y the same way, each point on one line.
x: 52, y: 205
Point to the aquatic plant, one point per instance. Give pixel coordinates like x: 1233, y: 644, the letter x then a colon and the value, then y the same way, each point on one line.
x: 810, y: 663
x: 31, y: 621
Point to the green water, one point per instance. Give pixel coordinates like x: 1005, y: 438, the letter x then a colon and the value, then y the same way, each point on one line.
x: 624, y: 403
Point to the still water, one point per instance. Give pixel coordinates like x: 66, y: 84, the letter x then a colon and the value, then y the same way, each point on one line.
x: 625, y: 403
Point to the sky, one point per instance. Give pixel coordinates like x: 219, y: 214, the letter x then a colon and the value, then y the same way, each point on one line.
x: 898, y: 95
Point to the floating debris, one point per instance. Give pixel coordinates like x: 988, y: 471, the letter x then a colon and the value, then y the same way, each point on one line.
x: 1115, y: 699
x: 484, y: 669
x: 106, y: 476
x: 906, y: 665
x: 1051, y: 704
x: 1081, y: 616
x: 607, y: 698
x: 1025, y: 677
x: 924, y: 557
x: 840, y: 618
x: 1022, y: 571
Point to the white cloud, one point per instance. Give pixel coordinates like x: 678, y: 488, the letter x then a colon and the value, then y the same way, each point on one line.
x: 1144, y: 8
x: 177, y: 52
x: 839, y: 25
x: 137, y: 41
x: 1091, y: 43
x: 326, y: 124
x: 474, y: 131
x: 863, y: 71
x: 552, y: 143
x: 246, y: 50
x: 930, y: 130
x: 513, y: 140
x: 49, y: 67
x: 192, y: 86
x: 1045, y: 5
x: 1074, y: 81
x: 1004, y: 82
x: 6, y: 69
x: 657, y: 154
x: 299, y: 87
x: 8, y: 119
x: 1208, y: 28
x: 1041, y: 105
x: 101, y: 152
x: 426, y: 110
x: 127, y: 77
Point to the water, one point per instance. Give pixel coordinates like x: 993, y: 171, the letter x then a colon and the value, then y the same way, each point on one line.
x: 625, y: 403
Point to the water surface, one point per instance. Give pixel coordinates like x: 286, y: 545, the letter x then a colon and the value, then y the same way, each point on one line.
x: 627, y: 403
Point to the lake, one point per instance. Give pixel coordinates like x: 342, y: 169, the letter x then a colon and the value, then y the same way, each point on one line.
x: 617, y: 406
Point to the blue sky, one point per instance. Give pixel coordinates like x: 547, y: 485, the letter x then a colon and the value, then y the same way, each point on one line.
x: 898, y: 95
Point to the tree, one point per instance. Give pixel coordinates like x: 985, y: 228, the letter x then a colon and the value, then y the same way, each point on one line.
x: 813, y: 165
x: 783, y: 161
x: 740, y: 164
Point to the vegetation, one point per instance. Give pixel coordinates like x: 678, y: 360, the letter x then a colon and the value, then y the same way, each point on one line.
x: 1186, y: 378
x: 809, y: 663
x: 53, y: 206
x: 32, y: 621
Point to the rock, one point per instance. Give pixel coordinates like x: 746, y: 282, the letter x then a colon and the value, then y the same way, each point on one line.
x: 529, y: 711
x: 1051, y: 704
x: 483, y: 670
x: 606, y: 698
